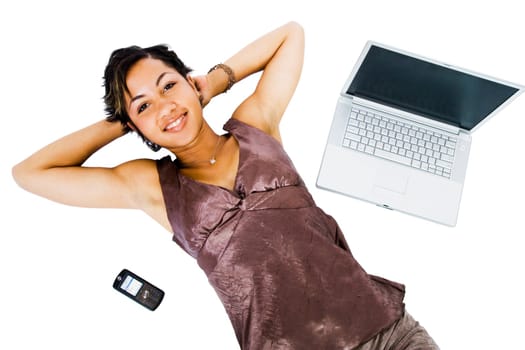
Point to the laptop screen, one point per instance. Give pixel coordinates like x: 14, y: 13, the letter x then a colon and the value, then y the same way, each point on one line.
x: 428, y: 89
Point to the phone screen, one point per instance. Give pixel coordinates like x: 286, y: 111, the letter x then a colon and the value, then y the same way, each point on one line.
x: 131, y: 285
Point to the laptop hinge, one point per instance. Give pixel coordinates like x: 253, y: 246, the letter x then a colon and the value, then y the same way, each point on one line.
x: 407, y: 115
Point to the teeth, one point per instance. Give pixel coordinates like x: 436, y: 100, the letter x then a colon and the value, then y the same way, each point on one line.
x: 175, y: 123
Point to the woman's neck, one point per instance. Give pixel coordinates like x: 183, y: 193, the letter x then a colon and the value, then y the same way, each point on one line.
x: 202, y: 151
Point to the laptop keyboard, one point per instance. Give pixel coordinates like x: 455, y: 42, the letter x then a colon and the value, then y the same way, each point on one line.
x: 401, y: 142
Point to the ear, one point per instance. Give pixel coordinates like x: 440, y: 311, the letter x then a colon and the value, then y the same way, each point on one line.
x: 195, y: 87
x: 132, y: 126
x: 192, y: 83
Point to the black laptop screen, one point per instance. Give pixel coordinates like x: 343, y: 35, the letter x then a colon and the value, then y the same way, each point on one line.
x: 427, y: 89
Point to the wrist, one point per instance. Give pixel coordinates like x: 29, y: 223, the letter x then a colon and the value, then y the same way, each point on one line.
x: 112, y: 130
x: 222, y: 78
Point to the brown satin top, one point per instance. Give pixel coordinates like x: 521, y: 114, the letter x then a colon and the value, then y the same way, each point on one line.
x: 279, y: 264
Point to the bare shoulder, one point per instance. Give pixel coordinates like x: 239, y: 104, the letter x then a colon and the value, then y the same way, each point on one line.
x: 138, y: 169
x: 251, y: 113
x: 141, y: 177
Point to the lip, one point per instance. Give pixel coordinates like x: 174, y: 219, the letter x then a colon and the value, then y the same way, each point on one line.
x: 177, y: 124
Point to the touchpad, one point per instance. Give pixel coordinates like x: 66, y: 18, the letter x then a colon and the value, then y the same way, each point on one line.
x: 392, y: 181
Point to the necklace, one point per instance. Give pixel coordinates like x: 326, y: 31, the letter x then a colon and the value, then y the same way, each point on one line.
x: 213, y: 160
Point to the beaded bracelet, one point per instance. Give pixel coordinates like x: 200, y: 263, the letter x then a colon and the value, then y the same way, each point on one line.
x: 228, y: 71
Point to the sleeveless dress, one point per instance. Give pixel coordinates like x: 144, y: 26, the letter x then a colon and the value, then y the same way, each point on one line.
x: 279, y: 264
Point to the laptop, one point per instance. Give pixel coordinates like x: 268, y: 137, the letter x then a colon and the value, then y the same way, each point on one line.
x: 401, y: 131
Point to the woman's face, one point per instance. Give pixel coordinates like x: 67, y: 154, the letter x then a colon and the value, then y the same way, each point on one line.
x: 162, y: 104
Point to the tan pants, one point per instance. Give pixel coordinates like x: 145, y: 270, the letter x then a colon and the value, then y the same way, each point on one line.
x: 405, y: 334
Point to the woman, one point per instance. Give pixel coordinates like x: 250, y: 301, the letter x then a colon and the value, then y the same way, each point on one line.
x: 235, y: 202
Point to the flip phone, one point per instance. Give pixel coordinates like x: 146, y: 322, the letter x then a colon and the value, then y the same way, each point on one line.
x: 138, y: 289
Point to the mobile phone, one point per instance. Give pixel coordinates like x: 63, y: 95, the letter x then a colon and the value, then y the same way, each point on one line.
x: 138, y: 289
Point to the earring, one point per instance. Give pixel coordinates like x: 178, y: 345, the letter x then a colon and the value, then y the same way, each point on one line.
x: 152, y: 145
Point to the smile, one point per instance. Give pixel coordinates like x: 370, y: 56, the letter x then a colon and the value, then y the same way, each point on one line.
x: 177, y: 124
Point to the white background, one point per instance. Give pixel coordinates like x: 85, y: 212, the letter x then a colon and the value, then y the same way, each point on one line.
x: 57, y: 263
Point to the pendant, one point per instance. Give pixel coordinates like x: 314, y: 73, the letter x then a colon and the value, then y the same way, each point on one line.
x: 212, y: 161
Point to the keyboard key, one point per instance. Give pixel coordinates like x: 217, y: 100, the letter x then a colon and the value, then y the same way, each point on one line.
x: 394, y: 157
x: 352, y: 129
x: 447, y: 158
x: 353, y: 137
x: 353, y: 122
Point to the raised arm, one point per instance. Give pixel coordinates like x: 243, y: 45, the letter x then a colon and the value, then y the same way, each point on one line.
x: 279, y: 54
x: 56, y: 172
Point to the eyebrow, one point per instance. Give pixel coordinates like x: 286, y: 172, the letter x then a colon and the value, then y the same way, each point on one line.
x: 141, y: 96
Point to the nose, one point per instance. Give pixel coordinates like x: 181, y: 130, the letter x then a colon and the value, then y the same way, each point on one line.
x: 167, y: 109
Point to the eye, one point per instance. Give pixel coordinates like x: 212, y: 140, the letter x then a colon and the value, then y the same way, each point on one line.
x: 168, y: 86
x: 142, y: 108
